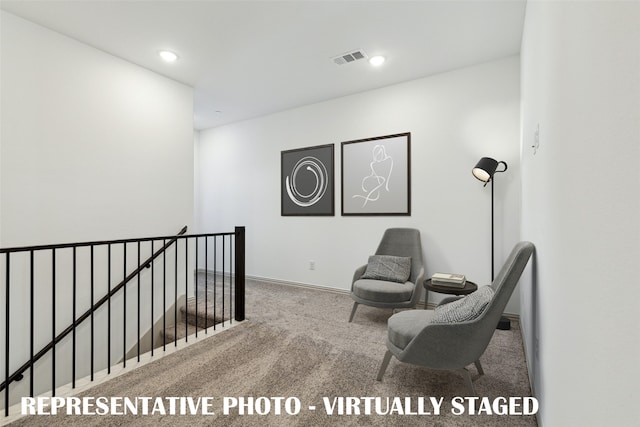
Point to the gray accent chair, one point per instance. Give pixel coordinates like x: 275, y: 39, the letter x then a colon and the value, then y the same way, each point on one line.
x: 453, y: 346
x: 403, y: 242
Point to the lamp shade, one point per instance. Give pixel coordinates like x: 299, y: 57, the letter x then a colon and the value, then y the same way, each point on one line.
x: 485, y: 169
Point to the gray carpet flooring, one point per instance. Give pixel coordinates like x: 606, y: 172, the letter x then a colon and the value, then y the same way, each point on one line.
x: 297, y: 342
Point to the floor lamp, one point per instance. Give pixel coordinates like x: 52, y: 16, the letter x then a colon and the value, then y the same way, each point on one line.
x: 484, y: 170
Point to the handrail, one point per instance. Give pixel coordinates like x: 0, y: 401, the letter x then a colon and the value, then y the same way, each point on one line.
x: 104, y: 242
x: 100, y: 302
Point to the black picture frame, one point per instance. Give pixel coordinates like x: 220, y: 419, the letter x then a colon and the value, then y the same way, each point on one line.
x: 376, y: 176
x: 307, y: 184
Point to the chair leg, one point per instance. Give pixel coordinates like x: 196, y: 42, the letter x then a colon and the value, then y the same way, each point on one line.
x: 467, y: 378
x: 479, y: 367
x: 353, y: 311
x: 383, y: 366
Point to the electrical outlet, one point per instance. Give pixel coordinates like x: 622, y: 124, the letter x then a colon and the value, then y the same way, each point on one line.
x: 312, y: 265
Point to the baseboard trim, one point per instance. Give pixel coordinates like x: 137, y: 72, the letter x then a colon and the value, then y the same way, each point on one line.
x: 512, y: 317
x: 299, y: 284
x: 280, y: 282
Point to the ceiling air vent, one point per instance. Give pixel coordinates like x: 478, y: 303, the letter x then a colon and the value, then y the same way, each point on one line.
x: 348, y: 57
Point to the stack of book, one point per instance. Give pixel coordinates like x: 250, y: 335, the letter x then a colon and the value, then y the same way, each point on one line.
x: 450, y: 280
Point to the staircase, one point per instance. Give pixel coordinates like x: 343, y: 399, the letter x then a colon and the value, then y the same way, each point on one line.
x: 89, y: 282
x: 204, y: 311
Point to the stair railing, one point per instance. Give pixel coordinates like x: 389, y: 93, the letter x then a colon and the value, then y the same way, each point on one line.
x: 228, y: 279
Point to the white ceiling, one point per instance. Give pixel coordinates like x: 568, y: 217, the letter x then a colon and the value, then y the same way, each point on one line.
x: 246, y: 59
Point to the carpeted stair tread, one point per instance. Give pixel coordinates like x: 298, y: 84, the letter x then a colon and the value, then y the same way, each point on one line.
x: 170, y: 333
x: 205, y: 315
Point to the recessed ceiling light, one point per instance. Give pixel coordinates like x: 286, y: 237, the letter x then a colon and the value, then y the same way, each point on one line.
x: 168, y: 56
x: 377, y: 60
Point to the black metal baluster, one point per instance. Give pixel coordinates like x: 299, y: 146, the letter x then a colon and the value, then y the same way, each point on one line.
x: 138, y: 302
x: 224, y: 252
x: 53, y: 322
x: 186, y: 289
x: 215, y: 279
x: 6, y: 337
x: 124, y: 307
x: 31, y: 287
x: 92, y: 310
x: 175, y: 298
x: 109, y: 309
x: 152, y: 299
x: 197, y: 287
x: 206, y: 283
x: 164, y: 297
x: 73, y: 353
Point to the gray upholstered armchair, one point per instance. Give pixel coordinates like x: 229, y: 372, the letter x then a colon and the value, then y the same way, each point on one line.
x: 398, y: 242
x: 414, y: 338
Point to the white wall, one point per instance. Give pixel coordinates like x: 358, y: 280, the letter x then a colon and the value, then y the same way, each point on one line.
x: 580, y: 206
x: 454, y: 119
x: 92, y: 148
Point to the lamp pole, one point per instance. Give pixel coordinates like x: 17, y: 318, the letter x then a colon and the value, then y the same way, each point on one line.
x: 492, y: 244
x: 484, y: 171
x: 492, y: 219
x: 504, y: 323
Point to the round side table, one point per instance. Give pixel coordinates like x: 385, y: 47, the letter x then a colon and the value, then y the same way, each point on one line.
x: 450, y: 290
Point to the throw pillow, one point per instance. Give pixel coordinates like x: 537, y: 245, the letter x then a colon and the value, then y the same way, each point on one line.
x: 388, y: 267
x: 468, y: 308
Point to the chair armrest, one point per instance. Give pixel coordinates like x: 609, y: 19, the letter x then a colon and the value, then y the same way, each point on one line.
x: 420, y: 278
x: 358, y: 273
x: 418, y: 286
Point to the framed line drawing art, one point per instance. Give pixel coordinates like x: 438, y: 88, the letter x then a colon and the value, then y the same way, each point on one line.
x: 307, y: 181
x: 376, y: 175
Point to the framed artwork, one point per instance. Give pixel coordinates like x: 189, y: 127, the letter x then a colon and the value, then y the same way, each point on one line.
x: 376, y: 175
x: 307, y: 181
